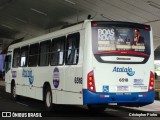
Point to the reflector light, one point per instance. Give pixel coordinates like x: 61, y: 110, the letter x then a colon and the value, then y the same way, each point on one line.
x: 140, y: 95
x: 102, y: 96
x: 92, y: 88
x: 90, y: 82
x: 147, y: 28
x: 151, y: 82
x: 123, y: 52
x: 94, y: 25
x: 144, y: 95
x: 90, y: 78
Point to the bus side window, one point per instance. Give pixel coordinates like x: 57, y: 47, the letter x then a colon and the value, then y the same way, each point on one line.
x: 44, y: 53
x: 33, y: 55
x: 24, y: 56
x: 57, y: 51
x: 72, y: 49
x: 7, y: 63
x: 16, y: 58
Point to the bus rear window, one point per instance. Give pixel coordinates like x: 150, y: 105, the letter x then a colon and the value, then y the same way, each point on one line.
x: 119, y: 38
x: 120, y: 42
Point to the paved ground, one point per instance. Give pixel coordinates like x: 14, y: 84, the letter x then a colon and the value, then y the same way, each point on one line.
x: 155, y: 107
x: 73, y: 112
x: 2, y: 83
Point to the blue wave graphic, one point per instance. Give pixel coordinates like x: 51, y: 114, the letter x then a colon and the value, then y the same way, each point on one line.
x: 31, y: 80
x: 130, y: 73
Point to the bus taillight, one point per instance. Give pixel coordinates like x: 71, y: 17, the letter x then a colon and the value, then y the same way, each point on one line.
x: 90, y: 82
x: 151, y: 82
x: 147, y: 28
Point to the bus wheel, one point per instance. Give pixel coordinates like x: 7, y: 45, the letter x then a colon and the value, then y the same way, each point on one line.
x: 96, y: 108
x: 13, y: 92
x: 48, y: 99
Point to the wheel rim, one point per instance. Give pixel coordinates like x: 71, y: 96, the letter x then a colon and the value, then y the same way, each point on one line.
x: 48, y: 99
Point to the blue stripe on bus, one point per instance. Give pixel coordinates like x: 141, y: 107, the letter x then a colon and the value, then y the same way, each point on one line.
x: 126, y: 99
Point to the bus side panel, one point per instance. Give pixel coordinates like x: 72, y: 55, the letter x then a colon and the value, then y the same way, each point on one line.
x: 8, y: 81
x: 19, y: 81
x: 59, y: 85
x: 8, y: 87
x: 41, y: 75
x: 71, y: 93
x: 30, y: 80
x: 87, y: 59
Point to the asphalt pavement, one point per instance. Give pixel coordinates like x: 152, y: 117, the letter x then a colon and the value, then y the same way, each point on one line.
x: 63, y: 112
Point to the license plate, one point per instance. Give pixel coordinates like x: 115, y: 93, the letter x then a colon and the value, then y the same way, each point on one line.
x: 122, y: 88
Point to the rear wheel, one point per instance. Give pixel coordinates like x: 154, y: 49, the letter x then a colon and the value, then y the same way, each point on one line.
x: 48, y: 99
x: 13, y: 92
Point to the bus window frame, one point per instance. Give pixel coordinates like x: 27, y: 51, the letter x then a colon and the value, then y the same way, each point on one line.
x: 27, y: 57
x: 67, y: 46
x: 63, y: 39
x: 37, y: 60
x: 18, y: 62
x: 46, y: 53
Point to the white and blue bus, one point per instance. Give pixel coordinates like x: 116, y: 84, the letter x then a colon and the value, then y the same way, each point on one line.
x: 93, y: 63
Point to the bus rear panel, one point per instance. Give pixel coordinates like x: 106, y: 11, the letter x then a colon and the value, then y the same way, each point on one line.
x: 121, y: 70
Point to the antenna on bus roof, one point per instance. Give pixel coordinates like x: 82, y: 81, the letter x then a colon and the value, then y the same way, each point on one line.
x: 89, y: 17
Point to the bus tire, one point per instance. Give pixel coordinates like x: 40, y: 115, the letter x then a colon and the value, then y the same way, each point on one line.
x: 48, y: 99
x: 96, y: 108
x: 13, y: 92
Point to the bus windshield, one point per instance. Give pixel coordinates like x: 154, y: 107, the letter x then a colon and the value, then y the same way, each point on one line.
x: 120, y: 39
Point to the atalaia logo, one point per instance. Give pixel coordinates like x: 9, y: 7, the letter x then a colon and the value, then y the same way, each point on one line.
x: 128, y: 70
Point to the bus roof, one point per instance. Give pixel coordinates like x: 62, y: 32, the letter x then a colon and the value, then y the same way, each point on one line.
x: 65, y: 30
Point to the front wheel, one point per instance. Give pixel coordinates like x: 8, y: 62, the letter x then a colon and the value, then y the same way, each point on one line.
x: 48, y: 99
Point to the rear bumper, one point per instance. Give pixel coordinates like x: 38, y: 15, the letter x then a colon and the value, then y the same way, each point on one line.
x: 122, y: 99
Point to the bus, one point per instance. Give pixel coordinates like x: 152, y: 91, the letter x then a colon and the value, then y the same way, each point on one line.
x: 92, y: 63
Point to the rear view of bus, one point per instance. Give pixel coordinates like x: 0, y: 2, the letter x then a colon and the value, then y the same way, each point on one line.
x: 121, y: 66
